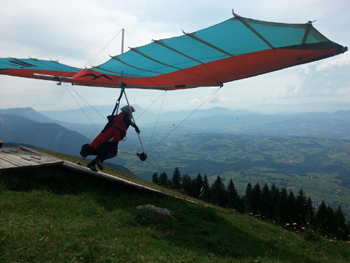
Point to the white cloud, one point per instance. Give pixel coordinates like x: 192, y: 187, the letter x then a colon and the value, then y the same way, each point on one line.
x: 195, y: 101
x: 344, y: 92
x: 328, y: 78
x: 336, y: 63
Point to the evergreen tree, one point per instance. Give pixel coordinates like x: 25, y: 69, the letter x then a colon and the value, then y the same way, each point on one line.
x: 247, y: 200
x: 265, y: 201
x: 232, y: 196
x: 310, y: 213
x: 176, y: 180
x: 155, y: 178
x: 205, y: 191
x: 321, y: 219
x: 187, y: 184
x: 330, y: 225
x: 301, y: 207
x: 218, y: 192
x: 341, y: 231
x: 292, y: 213
x: 163, y: 179
x: 256, y: 199
x: 273, y: 208
x: 197, y: 186
x: 283, y: 207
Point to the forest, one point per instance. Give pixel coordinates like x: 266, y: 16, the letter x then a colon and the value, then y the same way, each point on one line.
x: 282, y: 207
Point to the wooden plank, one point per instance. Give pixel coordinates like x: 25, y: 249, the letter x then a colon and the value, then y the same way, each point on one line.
x: 109, y: 177
x: 15, y: 158
x: 4, y: 164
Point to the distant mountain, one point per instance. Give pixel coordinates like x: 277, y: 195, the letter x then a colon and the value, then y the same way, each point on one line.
x: 301, y: 108
x: 93, y: 114
x: 216, y: 111
x: 84, y: 115
x: 318, y: 125
x: 334, y: 125
x: 50, y: 136
x: 28, y: 113
x: 87, y: 130
x: 97, y: 114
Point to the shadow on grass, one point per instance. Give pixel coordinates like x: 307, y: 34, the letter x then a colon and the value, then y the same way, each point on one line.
x: 203, y: 230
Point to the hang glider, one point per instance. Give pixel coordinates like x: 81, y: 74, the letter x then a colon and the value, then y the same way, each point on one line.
x: 231, y: 50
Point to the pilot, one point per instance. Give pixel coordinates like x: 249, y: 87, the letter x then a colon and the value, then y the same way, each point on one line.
x: 105, y: 145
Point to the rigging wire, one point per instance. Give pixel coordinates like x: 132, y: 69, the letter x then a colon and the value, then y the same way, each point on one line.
x: 155, y: 125
x: 57, y: 49
x: 70, y: 90
x: 185, y: 118
x: 75, y: 51
x: 89, y: 119
x: 126, y: 98
x: 150, y: 106
x: 88, y: 112
x: 102, y: 49
x: 129, y: 34
x: 129, y: 140
x: 87, y: 103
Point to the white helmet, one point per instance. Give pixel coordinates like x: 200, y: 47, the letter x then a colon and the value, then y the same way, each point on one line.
x: 127, y: 109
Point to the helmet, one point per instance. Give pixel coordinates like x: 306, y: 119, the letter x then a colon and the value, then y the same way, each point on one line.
x: 127, y: 109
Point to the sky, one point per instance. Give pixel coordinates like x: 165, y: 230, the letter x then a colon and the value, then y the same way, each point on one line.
x: 77, y: 33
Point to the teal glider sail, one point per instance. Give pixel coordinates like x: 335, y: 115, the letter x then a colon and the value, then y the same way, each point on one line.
x: 233, y: 49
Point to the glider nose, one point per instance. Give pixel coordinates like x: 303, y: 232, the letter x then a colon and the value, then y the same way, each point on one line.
x: 90, y: 77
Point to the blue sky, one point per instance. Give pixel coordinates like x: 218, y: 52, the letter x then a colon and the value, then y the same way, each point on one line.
x: 53, y: 29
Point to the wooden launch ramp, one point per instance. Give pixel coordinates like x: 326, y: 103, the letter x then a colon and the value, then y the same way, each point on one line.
x: 22, y: 158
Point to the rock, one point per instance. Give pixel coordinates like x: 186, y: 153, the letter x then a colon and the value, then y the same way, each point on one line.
x: 159, y: 210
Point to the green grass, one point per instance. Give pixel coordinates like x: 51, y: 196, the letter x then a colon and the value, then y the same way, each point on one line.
x: 56, y: 215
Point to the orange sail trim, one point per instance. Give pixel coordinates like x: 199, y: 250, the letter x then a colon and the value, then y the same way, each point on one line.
x: 229, y: 69
x: 35, y: 73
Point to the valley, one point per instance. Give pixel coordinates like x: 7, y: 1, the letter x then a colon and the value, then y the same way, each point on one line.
x: 309, y: 151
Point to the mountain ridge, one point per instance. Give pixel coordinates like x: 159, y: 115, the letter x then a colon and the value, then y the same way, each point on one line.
x: 51, y: 136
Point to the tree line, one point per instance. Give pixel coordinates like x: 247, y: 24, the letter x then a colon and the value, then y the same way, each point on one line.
x: 279, y: 206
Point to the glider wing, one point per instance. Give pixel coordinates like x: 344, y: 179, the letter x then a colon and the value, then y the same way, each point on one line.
x: 37, y: 69
x: 234, y: 49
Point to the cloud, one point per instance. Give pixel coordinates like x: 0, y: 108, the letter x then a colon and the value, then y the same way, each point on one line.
x: 337, y: 63
x: 328, y: 78
x: 214, y: 96
x: 195, y: 101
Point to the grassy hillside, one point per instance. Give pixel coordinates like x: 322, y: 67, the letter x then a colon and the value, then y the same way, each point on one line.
x: 56, y: 215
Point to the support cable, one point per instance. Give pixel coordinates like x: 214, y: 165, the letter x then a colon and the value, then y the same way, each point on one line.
x: 132, y: 117
x: 101, y: 50
x: 87, y: 102
x: 89, y: 119
x: 155, y: 125
x: 86, y: 41
x: 150, y: 106
x: 186, y: 118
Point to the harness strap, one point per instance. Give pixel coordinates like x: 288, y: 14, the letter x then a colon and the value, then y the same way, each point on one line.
x: 116, y: 108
